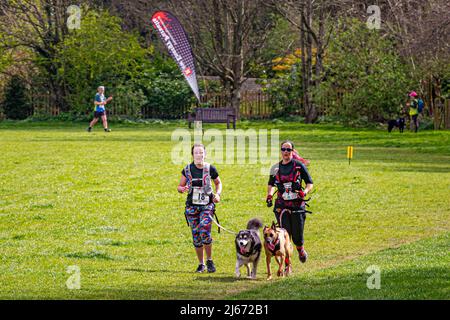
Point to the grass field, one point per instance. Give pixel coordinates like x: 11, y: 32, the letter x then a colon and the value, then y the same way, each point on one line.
x: 107, y: 203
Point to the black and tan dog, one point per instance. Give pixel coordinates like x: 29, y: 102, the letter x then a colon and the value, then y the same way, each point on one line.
x: 277, y: 244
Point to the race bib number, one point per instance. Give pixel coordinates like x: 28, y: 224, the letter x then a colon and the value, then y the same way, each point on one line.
x: 288, y: 194
x: 199, y: 197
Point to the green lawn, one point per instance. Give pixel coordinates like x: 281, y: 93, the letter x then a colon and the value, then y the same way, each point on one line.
x: 414, y: 271
x: 107, y: 203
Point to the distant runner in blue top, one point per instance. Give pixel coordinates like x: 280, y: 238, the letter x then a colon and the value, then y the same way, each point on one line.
x: 100, y: 101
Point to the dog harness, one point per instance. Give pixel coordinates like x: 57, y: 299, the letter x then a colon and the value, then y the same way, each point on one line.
x: 274, y: 247
x: 288, y: 186
x: 200, y: 195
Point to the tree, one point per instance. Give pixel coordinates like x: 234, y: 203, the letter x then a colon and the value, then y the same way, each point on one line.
x: 101, y: 53
x: 15, y: 104
x: 314, y: 21
x: 38, y: 26
x: 366, y: 67
x: 421, y: 30
x: 227, y: 38
x: 134, y: 15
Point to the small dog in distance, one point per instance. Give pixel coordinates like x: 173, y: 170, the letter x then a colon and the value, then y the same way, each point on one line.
x: 399, y: 122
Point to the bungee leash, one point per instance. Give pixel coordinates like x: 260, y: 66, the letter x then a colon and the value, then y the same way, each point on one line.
x: 219, y: 226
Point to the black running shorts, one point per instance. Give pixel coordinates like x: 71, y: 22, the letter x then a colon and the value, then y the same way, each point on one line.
x: 98, y: 114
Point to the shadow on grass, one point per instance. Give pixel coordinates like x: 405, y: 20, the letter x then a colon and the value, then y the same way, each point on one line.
x: 408, y: 283
x: 414, y: 271
x: 137, y: 293
x: 223, y: 279
x: 428, y: 169
x: 107, y: 137
x: 400, y: 284
x: 201, y: 277
x: 158, y: 271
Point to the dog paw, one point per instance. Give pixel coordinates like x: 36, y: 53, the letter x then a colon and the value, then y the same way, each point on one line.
x: 269, y: 278
x: 287, y: 271
x: 238, y: 275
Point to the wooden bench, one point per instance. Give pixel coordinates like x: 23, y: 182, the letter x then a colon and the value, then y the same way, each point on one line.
x: 213, y: 115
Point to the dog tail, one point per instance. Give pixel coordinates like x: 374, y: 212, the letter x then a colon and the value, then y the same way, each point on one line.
x: 254, y: 223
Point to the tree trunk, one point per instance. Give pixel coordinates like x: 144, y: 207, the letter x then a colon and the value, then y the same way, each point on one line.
x: 236, y: 101
x: 310, y: 110
x: 319, y: 52
x: 303, y: 67
x: 228, y: 41
x: 238, y: 59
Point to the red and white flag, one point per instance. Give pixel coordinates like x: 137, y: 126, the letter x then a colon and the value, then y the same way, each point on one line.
x: 174, y: 37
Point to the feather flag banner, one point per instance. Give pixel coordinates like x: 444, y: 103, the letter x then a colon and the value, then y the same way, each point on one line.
x: 173, y: 35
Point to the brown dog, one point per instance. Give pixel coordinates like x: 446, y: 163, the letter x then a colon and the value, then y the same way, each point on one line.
x: 277, y: 243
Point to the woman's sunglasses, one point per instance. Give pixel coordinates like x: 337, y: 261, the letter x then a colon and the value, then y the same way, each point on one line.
x: 286, y: 149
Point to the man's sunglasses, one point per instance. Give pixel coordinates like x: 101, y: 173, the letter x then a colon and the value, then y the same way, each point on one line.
x: 286, y: 149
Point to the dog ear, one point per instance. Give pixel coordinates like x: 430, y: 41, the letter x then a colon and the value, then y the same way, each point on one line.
x: 273, y: 225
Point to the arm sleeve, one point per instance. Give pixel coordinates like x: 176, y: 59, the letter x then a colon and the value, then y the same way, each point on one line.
x: 305, y: 174
x: 213, y: 172
x: 272, y: 174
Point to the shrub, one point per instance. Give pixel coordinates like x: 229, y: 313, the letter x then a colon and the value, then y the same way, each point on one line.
x: 168, y: 97
x: 16, y: 105
x: 101, y: 53
x: 365, y: 66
